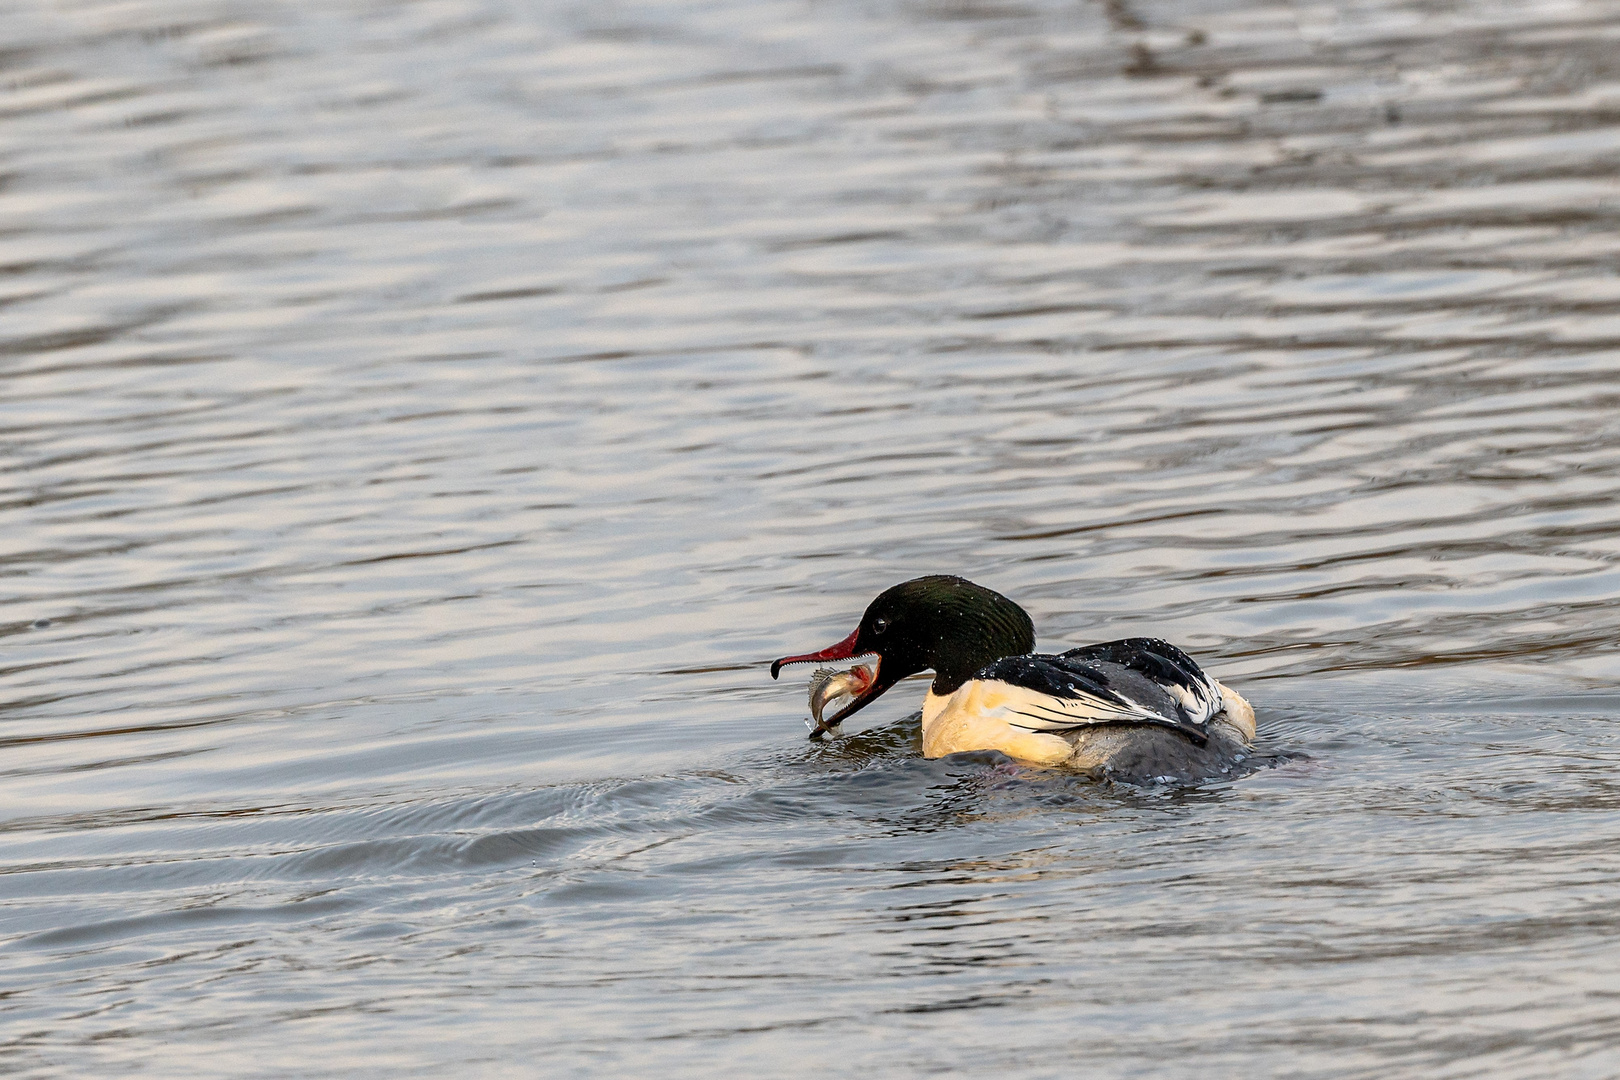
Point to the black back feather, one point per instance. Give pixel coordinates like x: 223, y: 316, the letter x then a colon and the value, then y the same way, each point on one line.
x: 1131, y: 674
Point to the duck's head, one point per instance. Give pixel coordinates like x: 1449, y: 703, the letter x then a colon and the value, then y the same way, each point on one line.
x: 940, y: 622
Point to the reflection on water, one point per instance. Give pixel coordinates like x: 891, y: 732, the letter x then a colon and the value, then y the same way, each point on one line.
x: 423, y: 418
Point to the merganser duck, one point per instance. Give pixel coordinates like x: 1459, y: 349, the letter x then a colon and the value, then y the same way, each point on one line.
x: 1138, y: 706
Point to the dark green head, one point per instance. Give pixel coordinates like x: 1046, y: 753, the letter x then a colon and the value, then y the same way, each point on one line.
x: 939, y: 622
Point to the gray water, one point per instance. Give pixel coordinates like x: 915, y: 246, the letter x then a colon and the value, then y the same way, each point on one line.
x: 422, y: 422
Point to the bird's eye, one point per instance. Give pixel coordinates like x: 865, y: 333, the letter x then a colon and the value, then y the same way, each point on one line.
x: 879, y: 625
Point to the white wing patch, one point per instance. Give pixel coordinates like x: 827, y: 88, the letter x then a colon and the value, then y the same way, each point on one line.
x: 1035, y: 711
x: 1200, y: 706
x: 1169, y: 670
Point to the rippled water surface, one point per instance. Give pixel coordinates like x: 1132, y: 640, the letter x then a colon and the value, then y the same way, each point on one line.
x: 422, y: 420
